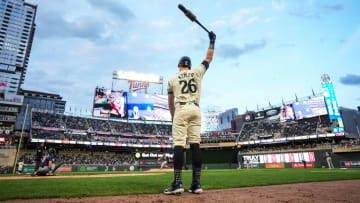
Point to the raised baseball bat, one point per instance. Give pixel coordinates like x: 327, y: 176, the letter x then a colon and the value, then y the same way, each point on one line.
x: 191, y: 16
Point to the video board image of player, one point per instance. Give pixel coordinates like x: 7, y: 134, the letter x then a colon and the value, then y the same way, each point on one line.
x: 286, y: 113
x: 140, y: 106
x: 310, y: 108
x: 148, y: 107
x: 109, y: 103
x: 117, y: 101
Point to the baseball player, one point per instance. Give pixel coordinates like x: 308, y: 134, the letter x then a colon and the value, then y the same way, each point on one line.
x: 164, y: 162
x: 39, y: 154
x: 184, y: 96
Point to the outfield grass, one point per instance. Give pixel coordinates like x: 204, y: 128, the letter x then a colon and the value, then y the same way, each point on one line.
x: 210, y: 179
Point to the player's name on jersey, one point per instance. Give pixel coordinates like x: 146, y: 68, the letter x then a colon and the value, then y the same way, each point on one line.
x: 185, y: 75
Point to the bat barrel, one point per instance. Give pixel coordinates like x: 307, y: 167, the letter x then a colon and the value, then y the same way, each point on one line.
x: 182, y: 8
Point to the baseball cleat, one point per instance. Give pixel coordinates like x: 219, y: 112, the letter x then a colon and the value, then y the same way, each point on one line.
x: 195, y: 188
x: 174, y: 189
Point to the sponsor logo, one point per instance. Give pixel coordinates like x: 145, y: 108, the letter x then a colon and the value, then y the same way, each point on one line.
x: 301, y: 165
x: 350, y: 164
x: 259, y: 115
x: 64, y: 168
x: 136, y: 85
x: 251, y: 159
x: 247, y: 117
x: 282, y: 165
x: 272, y: 112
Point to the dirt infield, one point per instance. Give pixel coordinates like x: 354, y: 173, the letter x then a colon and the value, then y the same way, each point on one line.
x: 332, y: 191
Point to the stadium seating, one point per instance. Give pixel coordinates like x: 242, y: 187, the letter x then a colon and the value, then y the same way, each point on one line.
x: 66, y: 127
x: 274, y: 129
x: 83, y: 158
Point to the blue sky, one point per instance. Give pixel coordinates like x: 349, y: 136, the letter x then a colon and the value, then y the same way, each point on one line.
x: 265, y: 51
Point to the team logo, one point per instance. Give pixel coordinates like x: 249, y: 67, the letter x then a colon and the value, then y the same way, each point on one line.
x: 137, y: 155
x: 137, y: 85
x: 247, y: 117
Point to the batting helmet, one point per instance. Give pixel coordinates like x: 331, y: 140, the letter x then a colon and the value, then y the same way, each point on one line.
x: 52, y: 151
x: 185, y: 62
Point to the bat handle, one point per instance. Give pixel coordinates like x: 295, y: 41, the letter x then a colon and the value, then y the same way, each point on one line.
x: 202, y: 26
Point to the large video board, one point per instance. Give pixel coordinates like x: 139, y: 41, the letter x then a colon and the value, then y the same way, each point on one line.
x: 119, y: 104
x: 310, y: 108
x: 148, y: 107
x: 286, y: 113
x: 109, y: 103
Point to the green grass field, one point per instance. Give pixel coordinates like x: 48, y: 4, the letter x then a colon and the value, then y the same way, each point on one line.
x: 210, y: 179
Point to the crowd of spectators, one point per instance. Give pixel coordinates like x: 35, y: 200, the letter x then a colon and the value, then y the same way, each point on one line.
x: 64, y: 127
x: 66, y: 122
x: 264, y: 129
x: 121, y: 127
x: 27, y: 158
x: 99, y: 125
x: 217, y: 137
x: 69, y: 136
x: 84, y: 158
x: 47, y: 120
x: 348, y: 143
x: 88, y: 159
x: 59, y: 135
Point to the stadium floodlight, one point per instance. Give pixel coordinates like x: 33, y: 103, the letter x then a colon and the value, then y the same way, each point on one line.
x: 122, y: 75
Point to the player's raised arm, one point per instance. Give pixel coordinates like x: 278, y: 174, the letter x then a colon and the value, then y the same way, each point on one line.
x: 210, y: 52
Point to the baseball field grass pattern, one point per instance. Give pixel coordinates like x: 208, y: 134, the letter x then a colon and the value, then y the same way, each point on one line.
x: 125, y: 185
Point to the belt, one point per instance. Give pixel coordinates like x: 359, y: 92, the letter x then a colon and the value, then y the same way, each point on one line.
x: 183, y: 103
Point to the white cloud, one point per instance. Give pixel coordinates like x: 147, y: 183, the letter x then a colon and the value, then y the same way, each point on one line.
x: 240, y: 16
x: 251, y: 20
x: 268, y: 20
x: 278, y: 5
x: 163, y: 23
x: 218, y: 23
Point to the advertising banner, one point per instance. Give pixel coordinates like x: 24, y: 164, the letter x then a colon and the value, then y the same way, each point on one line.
x: 330, y: 100
x: 212, y: 121
x: 88, y: 168
x: 280, y: 158
x: 251, y: 165
x: 252, y: 159
x: 259, y: 115
x: 332, y: 105
x: 272, y: 112
x: 64, y: 169
x: 248, y: 117
x: 275, y: 165
x: 301, y: 165
x: 350, y: 164
x: 28, y: 169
